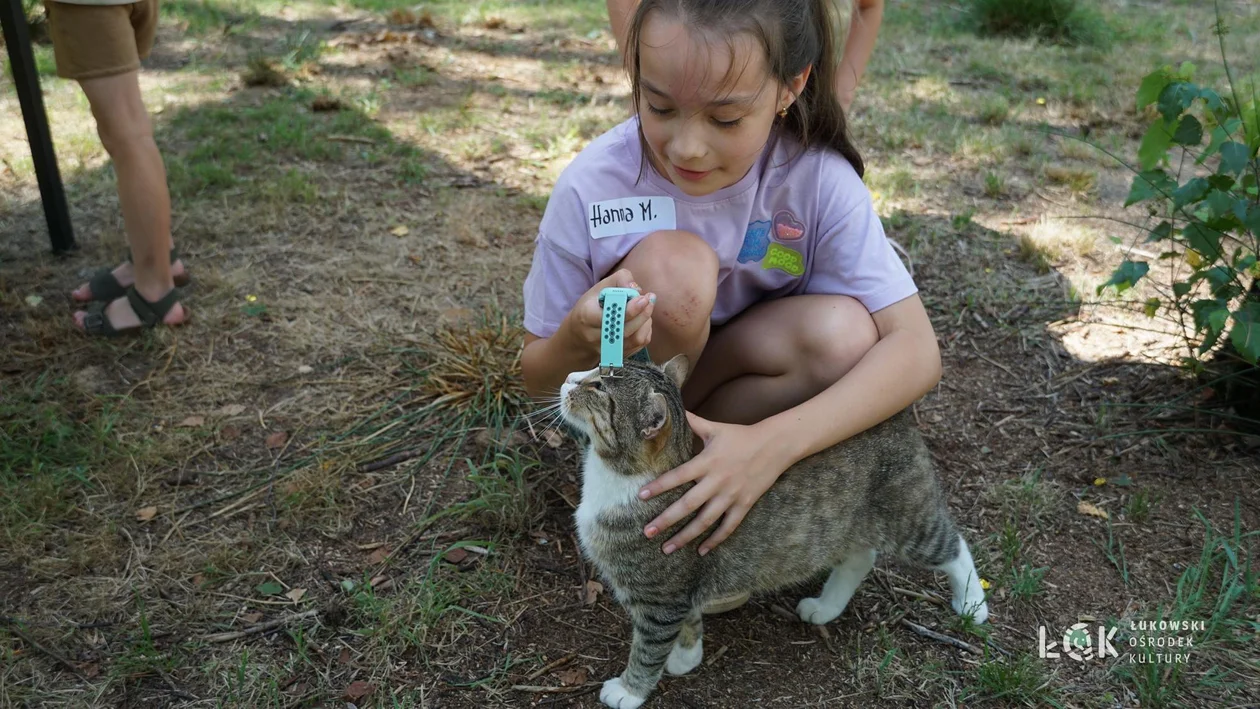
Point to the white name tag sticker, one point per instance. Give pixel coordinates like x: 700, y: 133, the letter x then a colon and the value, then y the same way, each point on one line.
x: 614, y: 217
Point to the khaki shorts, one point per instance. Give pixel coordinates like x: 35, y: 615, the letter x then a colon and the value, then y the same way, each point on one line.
x: 92, y: 41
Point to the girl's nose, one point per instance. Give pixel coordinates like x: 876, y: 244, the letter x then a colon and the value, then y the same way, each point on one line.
x: 688, y: 142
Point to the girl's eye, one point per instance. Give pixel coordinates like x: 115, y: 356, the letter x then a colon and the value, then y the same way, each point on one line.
x: 727, y: 124
x: 660, y: 111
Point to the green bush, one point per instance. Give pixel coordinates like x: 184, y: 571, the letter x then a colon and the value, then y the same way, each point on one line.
x: 1060, y: 21
x: 1210, y: 217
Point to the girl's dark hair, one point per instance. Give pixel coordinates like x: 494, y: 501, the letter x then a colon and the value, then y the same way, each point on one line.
x: 795, y: 34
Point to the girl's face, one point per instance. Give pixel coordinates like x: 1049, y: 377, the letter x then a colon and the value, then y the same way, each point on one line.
x: 706, y: 107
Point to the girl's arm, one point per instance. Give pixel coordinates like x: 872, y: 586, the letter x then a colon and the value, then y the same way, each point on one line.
x: 903, y: 365
x: 740, y: 463
x: 574, y: 347
x: 863, y: 30
x: 619, y: 14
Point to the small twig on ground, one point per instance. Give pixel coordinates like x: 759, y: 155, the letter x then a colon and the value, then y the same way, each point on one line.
x: 13, y: 628
x: 939, y: 637
x: 176, y: 690
x: 392, y: 460
x: 262, y: 627
x: 555, y: 690
x: 551, y: 666
x: 351, y: 139
x: 591, y: 687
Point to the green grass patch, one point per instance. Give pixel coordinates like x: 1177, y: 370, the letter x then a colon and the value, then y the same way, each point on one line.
x: 1061, y: 21
x: 51, y: 459
x: 224, y: 147
x: 1222, y: 590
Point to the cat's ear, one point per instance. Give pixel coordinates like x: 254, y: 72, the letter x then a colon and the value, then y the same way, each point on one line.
x: 678, y: 369
x: 655, y: 415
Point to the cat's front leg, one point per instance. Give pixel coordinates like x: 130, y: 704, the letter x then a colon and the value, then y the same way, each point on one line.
x: 656, y: 629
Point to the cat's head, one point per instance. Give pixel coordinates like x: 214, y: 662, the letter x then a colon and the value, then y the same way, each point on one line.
x: 634, y: 417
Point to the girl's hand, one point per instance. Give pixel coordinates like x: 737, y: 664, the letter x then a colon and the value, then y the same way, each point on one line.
x: 585, y: 320
x: 736, y: 467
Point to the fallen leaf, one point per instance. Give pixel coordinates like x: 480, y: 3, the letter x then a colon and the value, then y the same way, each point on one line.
x: 305, y: 369
x: 229, y: 433
x: 358, y: 689
x: 144, y: 514
x: 455, y: 556
x: 572, y: 677
x: 277, y: 439
x: 34, y: 300
x: 984, y: 583
x: 343, y: 657
x: 494, y: 23
x: 270, y: 588
x: 378, y: 556
x: 296, y: 594
x: 230, y: 410
x: 251, y: 618
x: 400, y: 230
x: 554, y: 438
x: 1100, y: 481
x: 198, y: 579
x: 593, y: 589
x: 1086, y: 508
x: 191, y: 422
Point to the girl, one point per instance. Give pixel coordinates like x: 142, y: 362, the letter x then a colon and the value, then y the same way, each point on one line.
x: 733, y: 202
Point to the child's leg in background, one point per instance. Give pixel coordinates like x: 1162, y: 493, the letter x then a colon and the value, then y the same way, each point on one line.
x: 101, y: 47
x: 127, y: 134
x: 770, y: 358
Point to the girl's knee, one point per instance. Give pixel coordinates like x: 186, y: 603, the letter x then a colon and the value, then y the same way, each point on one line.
x: 835, y: 339
x: 674, y: 256
x: 682, y: 270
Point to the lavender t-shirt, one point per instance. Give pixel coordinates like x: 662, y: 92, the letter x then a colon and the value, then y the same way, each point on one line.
x: 802, y: 225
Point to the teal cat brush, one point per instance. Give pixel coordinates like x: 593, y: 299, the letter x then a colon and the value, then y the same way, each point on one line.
x: 612, y: 340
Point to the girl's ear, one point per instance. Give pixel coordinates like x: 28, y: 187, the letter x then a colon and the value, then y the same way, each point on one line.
x: 794, y: 89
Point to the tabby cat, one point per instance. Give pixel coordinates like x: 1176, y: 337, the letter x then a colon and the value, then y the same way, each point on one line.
x: 875, y: 492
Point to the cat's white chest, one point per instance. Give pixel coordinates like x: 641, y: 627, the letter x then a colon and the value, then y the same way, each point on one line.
x: 602, y: 488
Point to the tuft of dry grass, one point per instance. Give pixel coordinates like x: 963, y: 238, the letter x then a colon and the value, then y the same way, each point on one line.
x: 264, y: 71
x: 476, y: 367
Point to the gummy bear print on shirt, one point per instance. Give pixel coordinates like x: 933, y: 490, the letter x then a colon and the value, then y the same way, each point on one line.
x: 756, y: 242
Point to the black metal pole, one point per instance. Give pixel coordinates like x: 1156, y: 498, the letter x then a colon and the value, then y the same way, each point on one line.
x: 25, y: 76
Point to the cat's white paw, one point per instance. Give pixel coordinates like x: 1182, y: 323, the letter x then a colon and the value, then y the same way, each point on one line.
x: 979, y: 612
x: 681, y: 661
x: 614, y: 695
x: 813, y: 610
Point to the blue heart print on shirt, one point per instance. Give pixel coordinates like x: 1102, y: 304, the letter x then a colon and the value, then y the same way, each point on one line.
x: 756, y: 242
